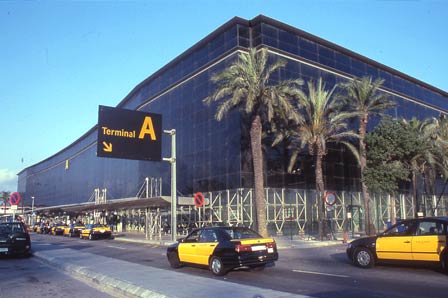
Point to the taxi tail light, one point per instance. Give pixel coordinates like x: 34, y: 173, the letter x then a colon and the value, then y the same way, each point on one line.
x: 271, y: 245
x: 243, y: 248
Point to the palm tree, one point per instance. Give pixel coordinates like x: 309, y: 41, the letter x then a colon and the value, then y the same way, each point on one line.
x: 438, y: 130
x: 434, y: 160
x: 246, y: 85
x: 423, y: 158
x: 363, y: 98
x: 323, y: 121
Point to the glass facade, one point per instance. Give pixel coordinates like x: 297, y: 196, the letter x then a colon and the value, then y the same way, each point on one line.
x: 214, y: 155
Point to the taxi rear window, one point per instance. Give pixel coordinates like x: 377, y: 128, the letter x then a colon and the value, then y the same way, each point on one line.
x: 242, y: 233
x: 7, y: 228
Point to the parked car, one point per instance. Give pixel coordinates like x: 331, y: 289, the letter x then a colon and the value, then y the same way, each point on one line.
x: 14, y: 239
x: 96, y: 231
x: 222, y: 249
x: 36, y: 228
x: 73, y: 230
x: 419, y: 240
x: 58, y: 228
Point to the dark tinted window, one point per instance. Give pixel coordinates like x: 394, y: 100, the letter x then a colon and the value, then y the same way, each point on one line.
x: 242, y: 233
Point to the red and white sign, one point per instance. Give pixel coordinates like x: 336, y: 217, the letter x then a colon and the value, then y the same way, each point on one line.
x: 199, y: 199
x: 330, y: 198
x: 14, y: 198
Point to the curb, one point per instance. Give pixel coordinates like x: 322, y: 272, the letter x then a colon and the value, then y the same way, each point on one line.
x: 97, y: 280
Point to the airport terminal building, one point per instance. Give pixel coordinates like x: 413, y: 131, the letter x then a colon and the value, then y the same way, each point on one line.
x: 212, y: 156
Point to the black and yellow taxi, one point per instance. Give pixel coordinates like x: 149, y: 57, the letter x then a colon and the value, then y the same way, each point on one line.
x: 96, y: 231
x: 222, y: 249
x: 419, y: 240
x: 73, y: 230
x: 36, y: 228
x: 58, y: 229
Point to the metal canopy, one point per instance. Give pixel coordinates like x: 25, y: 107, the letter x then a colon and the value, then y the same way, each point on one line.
x: 127, y: 203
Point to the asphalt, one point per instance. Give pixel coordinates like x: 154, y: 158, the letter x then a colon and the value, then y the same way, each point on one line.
x: 125, y: 279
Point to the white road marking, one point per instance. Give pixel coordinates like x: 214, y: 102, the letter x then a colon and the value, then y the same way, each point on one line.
x: 321, y: 273
x: 118, y: 247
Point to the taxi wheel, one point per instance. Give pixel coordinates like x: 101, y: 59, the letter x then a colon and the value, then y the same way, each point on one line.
x: 363, y: 258
x: 174, y: 261
x: 216, y: 266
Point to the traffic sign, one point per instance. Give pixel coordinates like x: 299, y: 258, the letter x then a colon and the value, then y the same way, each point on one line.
x: 129, y: 134
x: 14, y: 198
x: 199, y: 199
x: 330, y: 198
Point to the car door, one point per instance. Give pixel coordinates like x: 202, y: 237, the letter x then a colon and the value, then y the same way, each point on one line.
x: 187, y: 247
x: 429, y: 240
x: 396, y: 242
x: 208, y: 240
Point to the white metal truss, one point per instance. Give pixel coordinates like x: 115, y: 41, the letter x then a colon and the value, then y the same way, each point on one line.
x: 288, y: 211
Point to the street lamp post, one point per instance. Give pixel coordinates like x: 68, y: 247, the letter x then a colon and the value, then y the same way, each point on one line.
x: 172, y: 161
x: 32, y: 210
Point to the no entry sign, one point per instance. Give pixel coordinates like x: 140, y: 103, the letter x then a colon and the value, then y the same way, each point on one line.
x: 14, y: 198
x: 199, y: 199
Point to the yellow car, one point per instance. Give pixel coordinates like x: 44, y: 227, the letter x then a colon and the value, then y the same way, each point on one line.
x: 73, y: 230
x: 96, y: 231
x: 419, y: 239
x: 58, y: 229
x: 36, y: 228
x: 222, y: 249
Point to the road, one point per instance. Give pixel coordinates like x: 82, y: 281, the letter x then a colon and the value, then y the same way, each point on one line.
x: 317, y: 272
x: 26, y: 277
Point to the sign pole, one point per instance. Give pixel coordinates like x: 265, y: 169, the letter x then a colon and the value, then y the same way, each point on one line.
x: 172, y: 160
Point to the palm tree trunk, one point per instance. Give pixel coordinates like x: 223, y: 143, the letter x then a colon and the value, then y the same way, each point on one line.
x: 257, y: 158
x: 320, y: 190
x: 392, y: 210
x: 414, y: 194
x: 363, y: 163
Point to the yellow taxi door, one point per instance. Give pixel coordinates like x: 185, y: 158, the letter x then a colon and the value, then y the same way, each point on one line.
x: 394, y: 247
x: 428, y: 247
x: 187, y: 252
x: 208, y: 241
x: 429, y: 241
x: 187, y: 248
x: 204, y: 250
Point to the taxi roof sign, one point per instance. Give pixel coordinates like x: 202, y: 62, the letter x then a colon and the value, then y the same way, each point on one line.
x: 129, y: 134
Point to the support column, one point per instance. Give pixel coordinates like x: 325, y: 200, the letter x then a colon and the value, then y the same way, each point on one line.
x: 172, y: 160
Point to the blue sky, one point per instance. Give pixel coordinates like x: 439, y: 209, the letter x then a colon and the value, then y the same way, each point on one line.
x: 59, y: 60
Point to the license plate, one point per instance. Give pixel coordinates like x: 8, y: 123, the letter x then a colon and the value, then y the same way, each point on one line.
x: 270, y: 250
x: 3, y: 249
x: 258, y: 247
x: 102, y: 231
